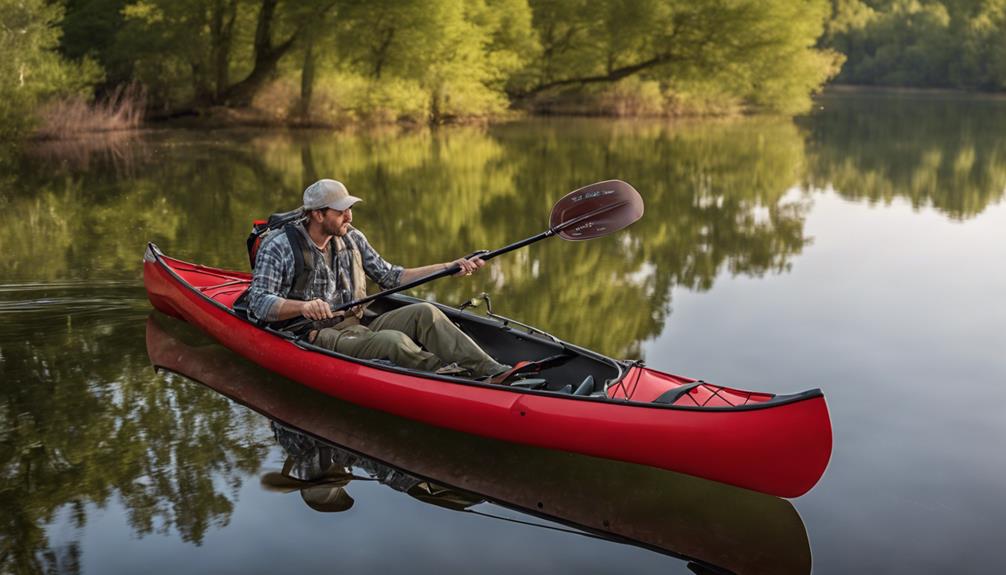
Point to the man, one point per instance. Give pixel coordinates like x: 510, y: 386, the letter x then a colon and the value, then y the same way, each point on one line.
x: 337, y: 259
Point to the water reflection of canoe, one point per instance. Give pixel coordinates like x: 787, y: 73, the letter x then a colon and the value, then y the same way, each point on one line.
x: 776, y: 444
x: 715, y: 526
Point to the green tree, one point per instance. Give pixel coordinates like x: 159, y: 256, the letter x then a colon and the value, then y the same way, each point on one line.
x: 926, y: 43
x: 186, y: 51
x: 457, y: 53
x: 439, y: 60
x: 982, y: 34
x: 32, y: 68
x: 742, y: 47
x: 89, y: 30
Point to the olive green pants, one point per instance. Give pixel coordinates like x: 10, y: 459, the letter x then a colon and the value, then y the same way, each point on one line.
x: 397, y: 336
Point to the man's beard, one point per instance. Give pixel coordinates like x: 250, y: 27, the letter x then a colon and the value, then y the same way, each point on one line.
x: 333, y: 230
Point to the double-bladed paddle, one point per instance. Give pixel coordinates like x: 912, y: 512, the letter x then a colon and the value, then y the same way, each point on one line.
x: 584, y: 214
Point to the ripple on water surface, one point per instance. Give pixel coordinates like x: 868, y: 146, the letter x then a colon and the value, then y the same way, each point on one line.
x: 29, y: 307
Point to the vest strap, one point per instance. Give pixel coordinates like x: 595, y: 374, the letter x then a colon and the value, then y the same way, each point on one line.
x: 303, y: 261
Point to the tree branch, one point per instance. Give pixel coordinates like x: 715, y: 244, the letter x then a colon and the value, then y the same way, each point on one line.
x: 613, y: 75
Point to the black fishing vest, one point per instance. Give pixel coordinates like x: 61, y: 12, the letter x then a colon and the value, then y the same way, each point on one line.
x: 352, y: 282
x: 303, y: 262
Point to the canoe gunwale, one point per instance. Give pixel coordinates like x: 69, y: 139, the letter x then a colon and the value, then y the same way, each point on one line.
x: 154, y: 255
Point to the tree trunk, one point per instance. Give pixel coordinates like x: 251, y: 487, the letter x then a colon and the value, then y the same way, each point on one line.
x: 381, y: 51
x: 308, y: 165
x: 307, y: 77
x: 436, y: 107
x: 266, y: 58
x: 202, y: 92
x: 222, y: 20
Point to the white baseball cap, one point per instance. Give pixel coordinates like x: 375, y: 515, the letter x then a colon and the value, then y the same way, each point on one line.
x: 328, y: 194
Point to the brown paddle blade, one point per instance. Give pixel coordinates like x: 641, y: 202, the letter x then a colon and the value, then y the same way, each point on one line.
x: 596, y: 210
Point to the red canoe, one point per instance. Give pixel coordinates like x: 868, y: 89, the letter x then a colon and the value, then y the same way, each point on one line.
x: 775, y: 444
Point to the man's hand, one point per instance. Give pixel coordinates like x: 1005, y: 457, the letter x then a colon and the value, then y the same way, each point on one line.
x: 468, y: 267
x: 317, y: 309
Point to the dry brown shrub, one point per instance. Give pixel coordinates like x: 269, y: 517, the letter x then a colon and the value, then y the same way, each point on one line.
x: 67, y: 117
x: 277, y: 100
x: 631, y: 98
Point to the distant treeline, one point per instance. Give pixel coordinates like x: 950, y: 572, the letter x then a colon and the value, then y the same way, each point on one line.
x: 921, y: 43
x: 335, y: 61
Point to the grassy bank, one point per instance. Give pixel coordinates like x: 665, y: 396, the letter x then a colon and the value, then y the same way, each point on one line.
x: 342, y: 103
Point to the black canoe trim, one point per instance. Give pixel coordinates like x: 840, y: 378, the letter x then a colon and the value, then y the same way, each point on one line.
x: 154, y: 254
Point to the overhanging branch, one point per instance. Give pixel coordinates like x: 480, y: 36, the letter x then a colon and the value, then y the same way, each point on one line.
x: 613, y: 75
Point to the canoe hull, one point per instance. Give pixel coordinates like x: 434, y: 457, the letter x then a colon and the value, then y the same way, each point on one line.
x: 782, y: 450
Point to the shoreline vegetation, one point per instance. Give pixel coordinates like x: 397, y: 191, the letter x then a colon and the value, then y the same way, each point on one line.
x: 224, y: 117
x: 276, y: 108
x: 110, y: 66
x: 835, y: 88
x: 75, y: 118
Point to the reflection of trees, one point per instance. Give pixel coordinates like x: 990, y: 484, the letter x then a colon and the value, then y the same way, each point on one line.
x: 714, y: 193
x: 83, y: 420
x: 705, y: 187
x: 92, y: 223
x: 714, y: 196
x: 932, y: 152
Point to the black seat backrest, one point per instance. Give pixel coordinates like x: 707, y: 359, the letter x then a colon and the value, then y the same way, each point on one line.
x: 672, y: 395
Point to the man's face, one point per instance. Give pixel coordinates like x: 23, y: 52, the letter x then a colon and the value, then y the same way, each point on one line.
x: 336, y: 222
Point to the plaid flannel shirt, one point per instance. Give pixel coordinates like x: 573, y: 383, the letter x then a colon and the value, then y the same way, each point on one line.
x: 274, y: 270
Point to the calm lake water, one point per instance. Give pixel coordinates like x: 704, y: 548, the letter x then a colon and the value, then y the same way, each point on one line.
x: 860, y: 249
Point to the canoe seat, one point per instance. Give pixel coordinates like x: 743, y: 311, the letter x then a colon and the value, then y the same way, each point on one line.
x: 240, y: 306
x: 529, y: 383
x: 586, y: 386
x: 672, y: 395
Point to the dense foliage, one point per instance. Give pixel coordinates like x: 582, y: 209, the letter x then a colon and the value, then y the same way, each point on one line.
x: 928, y: 43
x: 339, y: 61
x: 335, y: 62
x: 31, y: 69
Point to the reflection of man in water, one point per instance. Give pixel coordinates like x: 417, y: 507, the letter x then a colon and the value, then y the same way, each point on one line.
x: 321, y: 472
